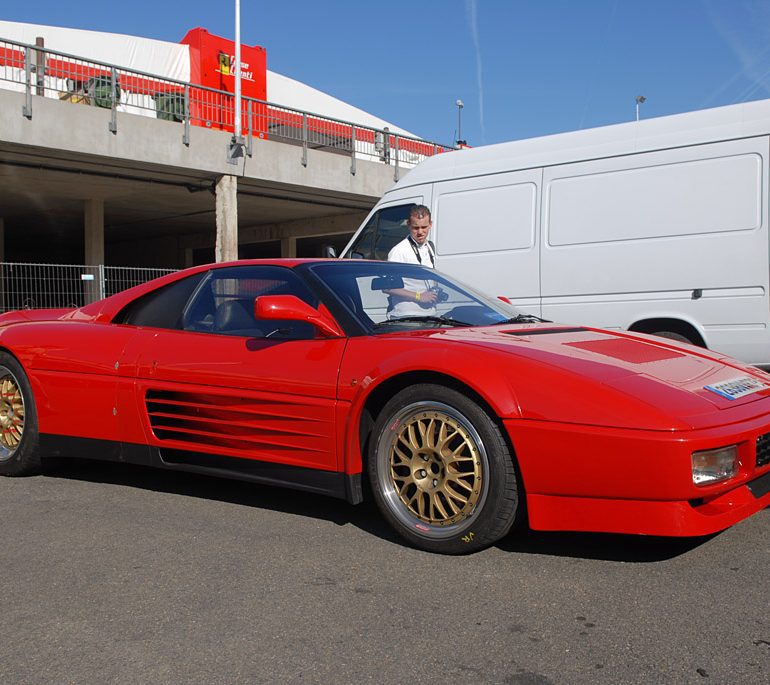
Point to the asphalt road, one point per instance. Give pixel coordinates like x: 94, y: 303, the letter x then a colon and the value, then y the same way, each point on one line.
x: 119, y: 574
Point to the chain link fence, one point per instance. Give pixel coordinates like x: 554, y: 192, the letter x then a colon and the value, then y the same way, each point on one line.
x: 44, y: 286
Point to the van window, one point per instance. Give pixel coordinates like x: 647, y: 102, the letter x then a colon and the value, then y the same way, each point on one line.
x: 687, y: 198
x: 384, y: 229
x: 504, y: 216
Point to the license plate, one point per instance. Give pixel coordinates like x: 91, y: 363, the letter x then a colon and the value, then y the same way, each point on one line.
x: 737, y: 387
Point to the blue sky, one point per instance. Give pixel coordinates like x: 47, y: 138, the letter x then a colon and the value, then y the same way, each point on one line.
x: 522, y: 68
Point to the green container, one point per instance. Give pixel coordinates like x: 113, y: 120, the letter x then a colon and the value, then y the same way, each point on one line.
x: 99, y: 88
x: 169, y: 106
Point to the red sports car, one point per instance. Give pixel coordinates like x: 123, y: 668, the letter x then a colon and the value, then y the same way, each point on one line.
x: 462, y: 414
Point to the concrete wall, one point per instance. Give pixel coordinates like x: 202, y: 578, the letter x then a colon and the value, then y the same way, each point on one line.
x: 63, y: 127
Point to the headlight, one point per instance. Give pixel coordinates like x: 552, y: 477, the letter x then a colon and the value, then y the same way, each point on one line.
x: 713, y: 466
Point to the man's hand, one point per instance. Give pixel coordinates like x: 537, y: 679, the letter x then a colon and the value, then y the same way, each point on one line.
x: 426, y: 298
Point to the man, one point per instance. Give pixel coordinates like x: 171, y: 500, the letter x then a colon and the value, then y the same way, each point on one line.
x: 416, y: 297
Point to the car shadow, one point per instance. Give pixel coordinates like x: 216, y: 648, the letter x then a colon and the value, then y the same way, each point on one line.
x: 601, y: 546
x: 596, y: 546
x: 296, y: 502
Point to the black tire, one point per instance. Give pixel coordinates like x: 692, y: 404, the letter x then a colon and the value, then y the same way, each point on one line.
x: 19, y: 438
x: 673, y: 335
x: 440, y: 471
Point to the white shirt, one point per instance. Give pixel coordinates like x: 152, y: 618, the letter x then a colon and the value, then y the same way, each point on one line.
x: 404, y: 252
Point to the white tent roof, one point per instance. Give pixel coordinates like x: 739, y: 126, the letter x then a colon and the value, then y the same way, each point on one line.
x: 172, y: 60
x: 282, y: 90
x: 140, y: 54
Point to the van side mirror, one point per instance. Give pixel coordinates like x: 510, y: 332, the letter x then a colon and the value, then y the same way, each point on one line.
x: 291, y: 308
x: 329, y: 252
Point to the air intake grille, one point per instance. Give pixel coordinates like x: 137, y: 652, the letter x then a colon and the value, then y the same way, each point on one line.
x: 763, y: 449
x: 246, y: 425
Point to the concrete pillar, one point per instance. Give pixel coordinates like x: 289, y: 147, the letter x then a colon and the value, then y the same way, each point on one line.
x: 288, y: 248
x: 227, y: 219
x: 93, y: 215
x: 94, y: 232
x: 2, y: 259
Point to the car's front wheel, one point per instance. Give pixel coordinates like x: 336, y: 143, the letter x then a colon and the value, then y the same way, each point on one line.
x: 19, y: 453
x: 441, y: 471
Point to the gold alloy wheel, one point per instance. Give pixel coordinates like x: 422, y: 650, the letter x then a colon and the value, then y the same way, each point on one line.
x: 435, y: 467
x: 11, y: 415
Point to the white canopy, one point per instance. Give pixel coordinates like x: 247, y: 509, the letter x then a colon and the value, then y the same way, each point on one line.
x: 172, y: 60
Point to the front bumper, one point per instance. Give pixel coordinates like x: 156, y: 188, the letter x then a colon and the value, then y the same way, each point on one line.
x: 596, y: 479
x: 641, y: 517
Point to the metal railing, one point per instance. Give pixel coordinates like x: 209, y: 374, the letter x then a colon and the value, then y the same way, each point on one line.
x: 43, y: 286
x: 38, y: 71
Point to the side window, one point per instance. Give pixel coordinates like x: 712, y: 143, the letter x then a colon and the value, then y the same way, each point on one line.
x: 161, y: 308
x: 224, y: 304
x: 384, y: 229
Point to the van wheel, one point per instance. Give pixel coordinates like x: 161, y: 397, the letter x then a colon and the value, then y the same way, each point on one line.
x: 672, y: 335
x: 440, y: 471
x: 19, y: 453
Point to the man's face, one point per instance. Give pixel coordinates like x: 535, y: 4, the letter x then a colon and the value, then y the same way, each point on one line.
x: 419, y: 227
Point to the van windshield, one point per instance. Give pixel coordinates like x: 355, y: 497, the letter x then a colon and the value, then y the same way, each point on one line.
x: 383, y: 296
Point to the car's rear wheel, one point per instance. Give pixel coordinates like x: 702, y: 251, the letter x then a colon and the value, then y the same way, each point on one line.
x: 19, y: 453
x: 441, y: 472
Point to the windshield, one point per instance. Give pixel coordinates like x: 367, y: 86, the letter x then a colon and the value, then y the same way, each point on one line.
x: 373, y: 292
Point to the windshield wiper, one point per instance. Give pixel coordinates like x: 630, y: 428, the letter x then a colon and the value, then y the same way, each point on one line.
x: 526, y: 318
x: 427, y: 319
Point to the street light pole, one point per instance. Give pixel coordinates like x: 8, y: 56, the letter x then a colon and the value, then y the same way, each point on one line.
x: 236, y: 144
x: 639, y: 100
x: 460, y: 106
x: 237, y: 68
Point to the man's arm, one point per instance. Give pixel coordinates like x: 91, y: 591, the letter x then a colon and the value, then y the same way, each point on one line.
x: 427, y: 297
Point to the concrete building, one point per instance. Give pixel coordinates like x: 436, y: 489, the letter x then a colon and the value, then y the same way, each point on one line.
x: 151, y: 177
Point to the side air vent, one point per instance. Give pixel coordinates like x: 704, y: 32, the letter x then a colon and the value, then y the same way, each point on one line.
x: 241, y: 424
x: 763, y: 449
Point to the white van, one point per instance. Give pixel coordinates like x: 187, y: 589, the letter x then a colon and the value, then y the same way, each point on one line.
x: 657, y: 226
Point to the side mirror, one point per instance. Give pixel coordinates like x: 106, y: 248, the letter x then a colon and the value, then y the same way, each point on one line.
x: 503, y: 298
x: 329, y: 252
x: 355, y: 255
x: 291, y: 308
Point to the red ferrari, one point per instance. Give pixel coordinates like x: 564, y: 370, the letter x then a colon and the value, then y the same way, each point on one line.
x: 462, y: 414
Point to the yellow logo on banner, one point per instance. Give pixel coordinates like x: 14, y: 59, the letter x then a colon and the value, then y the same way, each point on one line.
x: 224, y: 63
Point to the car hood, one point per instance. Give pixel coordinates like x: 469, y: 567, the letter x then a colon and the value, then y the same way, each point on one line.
x: 620, y: 371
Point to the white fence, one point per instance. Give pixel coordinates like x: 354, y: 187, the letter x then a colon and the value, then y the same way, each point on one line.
x: 42, y: 286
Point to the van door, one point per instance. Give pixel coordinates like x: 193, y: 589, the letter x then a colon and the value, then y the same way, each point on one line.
x: 486, y: 234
